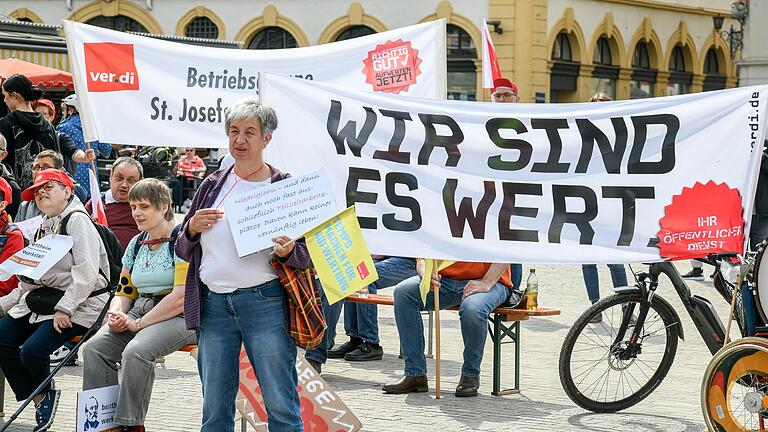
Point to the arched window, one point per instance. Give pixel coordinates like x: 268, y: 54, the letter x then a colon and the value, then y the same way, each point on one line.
x: 273, y: 38
x: 643, y: 77
x: 602, y: 55
x: 355, y: 32
x: 562, y: 48
x: 605, y: 73
x: 119, y: 23
x: 462, y: 53
x: 679, y: 76
x: 713, y: 78
x: 202, y: 27
x: 564, y: 72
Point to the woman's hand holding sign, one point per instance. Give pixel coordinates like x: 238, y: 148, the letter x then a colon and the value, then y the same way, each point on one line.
x: 203, y: 220
x: 283, y: 246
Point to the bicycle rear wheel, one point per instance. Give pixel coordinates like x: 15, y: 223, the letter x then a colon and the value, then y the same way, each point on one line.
x: 598, y: 369
x: 734, y: 392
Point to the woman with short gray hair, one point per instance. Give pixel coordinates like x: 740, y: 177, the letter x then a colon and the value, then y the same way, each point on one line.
x: 234, y: 301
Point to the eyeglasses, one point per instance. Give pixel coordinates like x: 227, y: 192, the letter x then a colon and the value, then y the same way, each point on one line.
x: 130, y: 180
x: 39, y: 167
x: 503, y: 95
x: 47, y: 187
x: 190, y: 150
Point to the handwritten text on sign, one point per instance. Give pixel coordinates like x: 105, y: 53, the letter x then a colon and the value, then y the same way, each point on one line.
x: 290, y: 207
x: 36, y: 259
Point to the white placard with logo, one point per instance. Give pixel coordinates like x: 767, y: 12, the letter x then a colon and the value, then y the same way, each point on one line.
x: 290, y: 207
x: 36, y: 259
x: 174, y: 94
x: 96, y: 409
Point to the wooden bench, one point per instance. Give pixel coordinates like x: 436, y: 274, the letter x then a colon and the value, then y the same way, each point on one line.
x: 501, y: 333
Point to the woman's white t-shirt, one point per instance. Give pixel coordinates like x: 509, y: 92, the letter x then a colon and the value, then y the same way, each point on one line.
x: 221, y: 269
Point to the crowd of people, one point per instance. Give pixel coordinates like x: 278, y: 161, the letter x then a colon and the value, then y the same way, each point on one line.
x: 185, y: 284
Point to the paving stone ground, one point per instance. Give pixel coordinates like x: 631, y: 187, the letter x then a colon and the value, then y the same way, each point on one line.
x: 542, y: 405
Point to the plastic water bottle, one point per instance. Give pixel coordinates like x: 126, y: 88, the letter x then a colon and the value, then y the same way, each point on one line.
x: 532, y: 291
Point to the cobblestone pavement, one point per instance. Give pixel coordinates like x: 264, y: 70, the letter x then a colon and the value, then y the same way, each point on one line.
x: 542, y: 405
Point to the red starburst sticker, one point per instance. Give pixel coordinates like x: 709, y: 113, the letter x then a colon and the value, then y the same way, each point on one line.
x: 704, y: 219
x: 392, y: 66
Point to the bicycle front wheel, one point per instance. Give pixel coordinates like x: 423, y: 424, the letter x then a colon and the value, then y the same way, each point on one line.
x: 600, y: 370
x: 734, y: 392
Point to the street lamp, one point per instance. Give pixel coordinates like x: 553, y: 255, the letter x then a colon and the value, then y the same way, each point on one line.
x: 735, y: 38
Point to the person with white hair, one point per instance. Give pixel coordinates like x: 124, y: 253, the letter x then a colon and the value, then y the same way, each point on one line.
x: 234, y: 301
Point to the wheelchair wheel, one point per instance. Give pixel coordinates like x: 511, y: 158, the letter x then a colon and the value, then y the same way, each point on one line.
x: 734, y: 392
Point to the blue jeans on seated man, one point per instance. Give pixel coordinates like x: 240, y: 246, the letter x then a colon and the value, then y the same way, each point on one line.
x: 360, y: 319
x: 254, y: 317
x: 473, y: 315
x: 591, y: 280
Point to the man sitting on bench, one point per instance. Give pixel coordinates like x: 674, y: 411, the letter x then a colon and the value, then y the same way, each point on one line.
x: 478, y: 289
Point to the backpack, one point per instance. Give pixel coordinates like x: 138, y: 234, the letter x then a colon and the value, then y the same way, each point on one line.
x: 171, y: 244
x: 4, y: 235
x: 111, y: 244
x: 25, y: 156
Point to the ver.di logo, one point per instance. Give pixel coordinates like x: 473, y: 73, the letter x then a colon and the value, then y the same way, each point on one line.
x: 110, y: 67
x: 392, y: 67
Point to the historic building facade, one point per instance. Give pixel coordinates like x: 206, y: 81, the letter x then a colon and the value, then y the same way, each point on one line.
x: 555, y: 50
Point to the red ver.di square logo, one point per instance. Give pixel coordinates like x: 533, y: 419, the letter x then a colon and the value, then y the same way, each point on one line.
x: 110, y: 67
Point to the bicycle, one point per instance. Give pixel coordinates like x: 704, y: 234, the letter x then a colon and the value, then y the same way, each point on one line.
x: 613, y: 365
x: 734, y: 390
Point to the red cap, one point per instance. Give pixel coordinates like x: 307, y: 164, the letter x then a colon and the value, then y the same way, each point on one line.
x: 47, y: 103
x: 503, y: 82
x: 44, y: 177
x: 5, y: 188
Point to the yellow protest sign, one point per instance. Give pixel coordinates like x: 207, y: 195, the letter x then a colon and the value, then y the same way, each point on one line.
x: 429, y: 267
x: 340, y: 256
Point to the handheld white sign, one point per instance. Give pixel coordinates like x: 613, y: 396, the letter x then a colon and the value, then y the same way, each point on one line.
x: 36, y: 259
x: 290, y: 207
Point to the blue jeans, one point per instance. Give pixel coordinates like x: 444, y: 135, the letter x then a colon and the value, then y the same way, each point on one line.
x: 516, y: 275
x: 24, y: 351
x: 758, y: 230
x: 589, y: 271
x: 254, y: 317
x: 332, y: 313
x: 360, y: 319
x: 473, y: 315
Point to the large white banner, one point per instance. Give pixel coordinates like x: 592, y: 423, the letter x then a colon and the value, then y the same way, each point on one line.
x: 138, y: 90
x: 611, y: 182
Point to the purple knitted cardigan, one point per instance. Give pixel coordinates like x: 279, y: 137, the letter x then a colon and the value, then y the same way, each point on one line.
x: 189, y: 249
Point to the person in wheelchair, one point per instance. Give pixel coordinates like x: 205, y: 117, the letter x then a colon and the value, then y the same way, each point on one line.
x: 40, y: 315
x: 145, y: 320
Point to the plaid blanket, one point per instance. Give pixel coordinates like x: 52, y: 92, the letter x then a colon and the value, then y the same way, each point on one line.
x: 304, y: 315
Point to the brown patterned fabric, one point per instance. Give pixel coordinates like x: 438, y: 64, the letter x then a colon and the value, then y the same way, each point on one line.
x: 304, y: 317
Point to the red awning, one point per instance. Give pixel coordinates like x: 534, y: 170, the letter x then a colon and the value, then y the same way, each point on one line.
x: 41, y: 76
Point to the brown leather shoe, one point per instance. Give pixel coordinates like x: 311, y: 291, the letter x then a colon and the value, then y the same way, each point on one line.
x: 467, y: 386
x: 408, y: 384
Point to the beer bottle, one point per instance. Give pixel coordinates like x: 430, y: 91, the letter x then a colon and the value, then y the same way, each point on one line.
x: 532, y: 291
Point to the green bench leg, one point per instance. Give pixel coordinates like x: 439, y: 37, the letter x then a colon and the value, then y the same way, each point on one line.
x: 502, y: 334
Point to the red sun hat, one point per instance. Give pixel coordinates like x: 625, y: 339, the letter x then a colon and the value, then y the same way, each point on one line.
x: 5, y: 188
x: 44, y: 177
x: 503, y: 82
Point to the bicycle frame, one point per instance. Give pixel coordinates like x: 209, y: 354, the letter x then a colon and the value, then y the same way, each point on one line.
x: 700, y: 309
